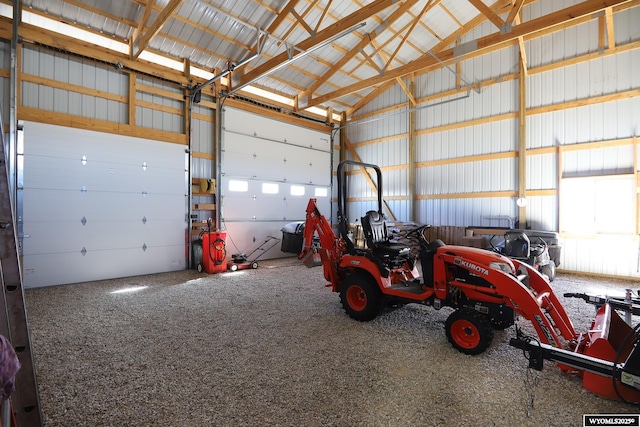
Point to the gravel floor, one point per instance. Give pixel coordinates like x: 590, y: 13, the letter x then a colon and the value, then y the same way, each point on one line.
x: 273, y: 346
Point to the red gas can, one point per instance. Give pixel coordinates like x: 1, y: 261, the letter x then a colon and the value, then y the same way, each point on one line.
x: 214, y: 251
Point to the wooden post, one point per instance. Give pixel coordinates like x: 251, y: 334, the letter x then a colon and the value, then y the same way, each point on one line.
x: 132, y: 98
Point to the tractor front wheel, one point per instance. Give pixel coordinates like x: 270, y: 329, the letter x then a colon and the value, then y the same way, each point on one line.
x: 361, y: 297
x: 469, y: 331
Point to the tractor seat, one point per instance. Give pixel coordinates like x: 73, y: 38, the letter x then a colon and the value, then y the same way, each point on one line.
x: 375, y: 233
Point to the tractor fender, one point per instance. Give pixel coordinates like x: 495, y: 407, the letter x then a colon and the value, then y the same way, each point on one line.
x: 363, y: 263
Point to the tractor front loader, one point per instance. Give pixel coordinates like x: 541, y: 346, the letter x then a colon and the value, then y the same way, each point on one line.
x: 486, y: 290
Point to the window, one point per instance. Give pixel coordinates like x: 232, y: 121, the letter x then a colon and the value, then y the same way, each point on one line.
x: 269, y: 188
x: 297, y: 190
x: 597, y: 204
x: 321, y: 192
x: 240, y: 186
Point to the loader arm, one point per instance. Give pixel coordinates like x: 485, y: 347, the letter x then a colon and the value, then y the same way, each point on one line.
x: 331, y: 246
x: 540, y: 305
x: 535, y: 302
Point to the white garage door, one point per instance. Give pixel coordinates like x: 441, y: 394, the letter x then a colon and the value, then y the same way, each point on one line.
x: 270, y: 169
x: 99, y: 206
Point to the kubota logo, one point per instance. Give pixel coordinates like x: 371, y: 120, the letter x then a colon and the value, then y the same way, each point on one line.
x: 470, y: 266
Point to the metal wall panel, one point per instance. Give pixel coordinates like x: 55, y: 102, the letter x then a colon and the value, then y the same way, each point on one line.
x: 595, y: 255
x: 613, y: 120
x: 437, y: 81
x: 105, y: 217
x: 478, y: 212
x: 601, y: 161
x: 542, y: 212
x: 542, y: 171
x: 202, y: 135
x: 540, y: 8
x: 626, y: 26
x: 65, y: 69
x: 490, y: 66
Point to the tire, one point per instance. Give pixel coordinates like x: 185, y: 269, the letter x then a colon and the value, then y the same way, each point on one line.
x: 468, y: 331
x: 200, y: 268
x: 549, y: 270
x: 233, y: 267
x: 503, y: 319
x: 361, y: 297
x: 254, y: 265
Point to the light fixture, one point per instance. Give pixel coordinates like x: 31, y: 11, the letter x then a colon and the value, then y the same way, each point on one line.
x: 522, y: 202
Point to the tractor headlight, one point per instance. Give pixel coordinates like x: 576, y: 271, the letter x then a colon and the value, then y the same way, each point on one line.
x: 502, y: 266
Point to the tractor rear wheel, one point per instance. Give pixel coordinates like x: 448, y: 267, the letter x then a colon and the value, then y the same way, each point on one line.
x: 469, y: 331
x: 361, y: 297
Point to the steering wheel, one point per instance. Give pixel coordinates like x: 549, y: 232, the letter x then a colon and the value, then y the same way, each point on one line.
x: 418, y: 233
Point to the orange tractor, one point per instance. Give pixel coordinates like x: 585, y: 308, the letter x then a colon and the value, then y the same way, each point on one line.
x: 487, y: 291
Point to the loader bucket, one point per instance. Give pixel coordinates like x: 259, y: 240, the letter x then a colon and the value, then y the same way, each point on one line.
x: 608, y: 339
x: 312, y: 259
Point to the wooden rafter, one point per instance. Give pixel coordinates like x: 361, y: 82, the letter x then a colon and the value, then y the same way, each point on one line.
x: 299, y: 20
x: 415, y: 22
x: 142, y: 42
x: 302, y: 22
x: 451, y: 15
x: 486, y: 11
x: 324, y: 14
x: 332, y: 30
x: 552, y: 20
x: 139, y: 29
x: 380, y: 49
x: 452, y: 38
x: 383, y: 87
x: 369, y: 59
x: 364, y: 101
x: 515, y: 10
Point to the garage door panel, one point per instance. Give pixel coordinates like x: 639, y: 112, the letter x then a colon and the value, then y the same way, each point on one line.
x: 53, y: 269
x: 238, y: 206
x: 62, y: 143
x: 65, y: 236
x: 283, y: 206
x: 62, y: 205
x: 277, y: 162
x: 128, y: 197
x: 239, y: 165
x: 70, y: 174
x: 266, y: 128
